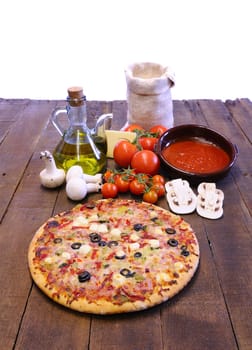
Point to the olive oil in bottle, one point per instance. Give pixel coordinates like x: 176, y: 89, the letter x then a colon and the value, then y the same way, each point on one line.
x: 80, y: 153
x: 78, y: 145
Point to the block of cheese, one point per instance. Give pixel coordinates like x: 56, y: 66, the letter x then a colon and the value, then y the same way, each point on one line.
x: 113, y: 136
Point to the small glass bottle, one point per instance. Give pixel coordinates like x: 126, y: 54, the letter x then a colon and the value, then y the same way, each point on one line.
x: 78, y: 146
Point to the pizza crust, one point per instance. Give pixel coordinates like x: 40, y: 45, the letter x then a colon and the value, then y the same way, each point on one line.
x: 165, y: 284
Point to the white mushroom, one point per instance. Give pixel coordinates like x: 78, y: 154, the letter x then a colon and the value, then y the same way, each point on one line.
x: 51, y: 176
x: 180, y: 196
x: 209, y: 201
x: 76, y: 171
x: 97, y: 178
x: 77, y: 188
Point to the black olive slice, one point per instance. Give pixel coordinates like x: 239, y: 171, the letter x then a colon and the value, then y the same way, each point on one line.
x: 185, y: 252
x: 170, y: 231
x: 183, y: 247
x: 138, y: 227
x: 95, y: 237
x: 52, y: 223
x: 127, y: 273
x: 172, y: 242
x: 102, y: 244
x: 76, y: 245
x: 138, y: 255
x: 84, y: 276
x: 112, y: 244
x: 57, y: 240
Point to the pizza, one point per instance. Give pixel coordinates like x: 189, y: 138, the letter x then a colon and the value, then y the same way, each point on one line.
x: 113, y: 256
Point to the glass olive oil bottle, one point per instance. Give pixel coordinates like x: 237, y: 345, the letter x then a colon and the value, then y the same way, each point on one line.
x: 78, y: 146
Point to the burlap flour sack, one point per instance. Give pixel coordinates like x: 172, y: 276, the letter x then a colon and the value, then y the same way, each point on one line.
x: 149, y: 95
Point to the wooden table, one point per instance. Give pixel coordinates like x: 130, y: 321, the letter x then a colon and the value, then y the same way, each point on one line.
x: 213, y: 312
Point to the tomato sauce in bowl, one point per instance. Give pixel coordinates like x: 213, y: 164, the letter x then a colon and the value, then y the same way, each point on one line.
x: 196, y: 156
x: 195, y: 153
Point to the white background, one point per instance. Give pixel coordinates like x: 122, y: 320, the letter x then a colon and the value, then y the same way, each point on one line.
x: 49, y: 45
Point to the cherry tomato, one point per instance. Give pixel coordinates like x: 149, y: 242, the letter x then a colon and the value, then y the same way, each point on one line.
x: 108, y: 175
x: 109, y: 190
x: 150, y: 196
x: 159, y: 129
x: 158, y: 188
x: 130, y: 174
x: 134, y: 127
x: 148, y: 142
x: 158, y: 179
x: 137, y: 187
x: 123, y: 152
x: 143, y: 178
x: 122, y: 183
x: 145, y: 161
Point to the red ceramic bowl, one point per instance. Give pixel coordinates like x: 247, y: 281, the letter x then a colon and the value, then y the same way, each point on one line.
x: 199, y: 132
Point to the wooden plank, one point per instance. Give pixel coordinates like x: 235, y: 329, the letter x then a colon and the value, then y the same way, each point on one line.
x: 4, y: 129
x: 231, y: 244
x: 199, y: 306
x: 46, y: 325
x: 96, y: 109
x: 15, y: 280
x: 140, y: 330
x: 241, y: 111
x: 230, y: 239
x: 220, y: 119
x: 213, y: 327
x: 119, y: 109
x: 187, y: 112
x: 15, y: 151
x: 11, y: 110
x: 30, y: 207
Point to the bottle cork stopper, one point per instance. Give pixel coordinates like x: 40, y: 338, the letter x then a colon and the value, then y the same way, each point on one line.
x: 75, y: 96
x: 75, y: 92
